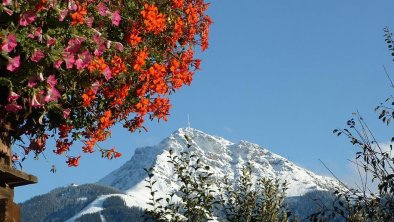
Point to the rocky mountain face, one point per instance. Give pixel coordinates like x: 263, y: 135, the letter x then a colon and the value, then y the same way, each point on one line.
x: 225, y: 158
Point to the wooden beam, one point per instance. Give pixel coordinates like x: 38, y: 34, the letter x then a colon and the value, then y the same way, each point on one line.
x: 14, y: 178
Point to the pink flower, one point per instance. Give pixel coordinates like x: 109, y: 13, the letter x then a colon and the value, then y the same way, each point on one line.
x: 52, y: 80
x: 119, y: 46
x: 52, y: 95
x: 9, y: 43
x: 8, y: 11
x: 7, y: 2
x: 116, y: 18
x: 41, y: 77
x: 13, y: 97
x: 74, y: 45
x: 38, y: 31
x: 108, y: 44
x: 102, y: 9
x: 100, y: 50
x: 72, y: 6
x: 89, y: 22
x: 13, y: 107
x: 37, y: 100
x: 66, y: 113
x: 96, y: 86
x: 70, y: 60
x: 27, y: 18
x: 37, y: 56
x: 83, y: 60
x: 31, y: 82
x: 57, y: 64
x: 14, y: 63
x: 51, y: 41
x: 34, y: 102
x: 107, y: 73
x: 97, y: 39
x: 63, y: 14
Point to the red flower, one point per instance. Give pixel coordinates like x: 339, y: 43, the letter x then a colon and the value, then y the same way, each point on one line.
x: 73, y: 161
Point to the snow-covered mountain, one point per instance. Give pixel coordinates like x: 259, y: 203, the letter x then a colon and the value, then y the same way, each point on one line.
x: 223, y: 157
x: 127, y: 184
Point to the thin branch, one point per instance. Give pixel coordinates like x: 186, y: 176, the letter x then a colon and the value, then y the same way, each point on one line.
x: 340, y: 181
x: 388, y: 76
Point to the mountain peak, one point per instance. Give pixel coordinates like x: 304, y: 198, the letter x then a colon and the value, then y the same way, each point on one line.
x: 224, y: 157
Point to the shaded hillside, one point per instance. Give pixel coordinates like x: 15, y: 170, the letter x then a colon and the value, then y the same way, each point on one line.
x: 62, y: 203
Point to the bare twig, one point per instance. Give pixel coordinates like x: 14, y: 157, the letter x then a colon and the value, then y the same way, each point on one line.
x: 388, y: 76
x: 340, y: 181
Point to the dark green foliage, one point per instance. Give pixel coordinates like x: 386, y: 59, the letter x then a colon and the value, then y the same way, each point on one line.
x: 123, y: 214
x: 62, y: 203
x: 89, y: 218
x: 113, y: 201
x: 115, y: 210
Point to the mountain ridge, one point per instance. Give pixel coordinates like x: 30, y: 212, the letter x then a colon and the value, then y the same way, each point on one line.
x: 224, y: 156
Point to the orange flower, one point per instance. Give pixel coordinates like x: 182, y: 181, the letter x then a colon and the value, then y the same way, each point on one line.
x: 192, y: 14
x: 106, y: 120
x: 118, y: 65
x: 79, y: 16
x: 64, y: 129
x: 180, y: 72
x: 178, y: 30
x: 88, y: 97
x: 205, y: 33
x: 62, y: 146
x: 178, y: 3
x: 89, y: 147
x: 153, y: 20
x: 97, y: 64
x: 134, y: 38
x: 141, y: 59
x: 161, y: 108
x: 134, y: 124
x: 41, y: 5
x: 110, y: 154
x: 142, y: 106
x: 121, y: 95
x: 117, y: 155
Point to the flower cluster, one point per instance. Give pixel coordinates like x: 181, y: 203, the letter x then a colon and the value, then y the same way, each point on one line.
x: 72, y: 69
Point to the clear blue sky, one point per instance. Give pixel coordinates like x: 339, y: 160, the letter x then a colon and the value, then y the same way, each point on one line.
x: 282, y: 74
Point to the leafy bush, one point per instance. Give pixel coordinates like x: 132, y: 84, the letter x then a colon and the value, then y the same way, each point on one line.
x: 201, y: 199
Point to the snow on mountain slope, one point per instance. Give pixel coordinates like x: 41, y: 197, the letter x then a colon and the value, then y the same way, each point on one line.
x: 224, y: 158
